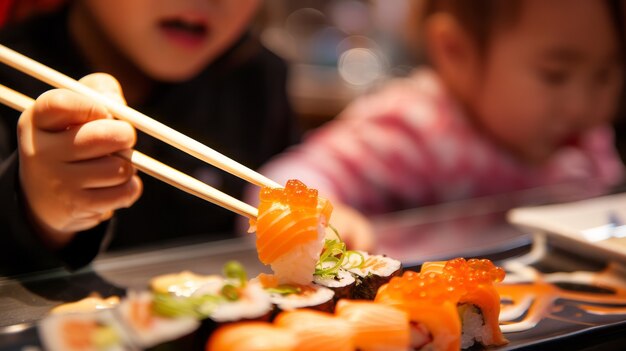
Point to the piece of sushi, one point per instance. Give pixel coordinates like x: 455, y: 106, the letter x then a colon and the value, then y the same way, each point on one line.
x: 431, y: 306
x: 252, y: 336
x: 183, y: 284
x: 88, y: 304
x: 317, y: 330
x: 342, y: 283
x: 213, y: 300
x: 375, y: 326
x: 86, y: 331
x: 479, y: 301
x: 290, y: 230
x: 292, y: 297
x: 227, y: 298
x: 148, y: 329
x: 371, y: 272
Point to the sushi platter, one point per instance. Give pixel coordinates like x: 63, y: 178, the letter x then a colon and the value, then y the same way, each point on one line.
x: 578, y: 302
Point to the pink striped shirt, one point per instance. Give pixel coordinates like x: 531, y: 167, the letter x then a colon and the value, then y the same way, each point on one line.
x: 410, y: 145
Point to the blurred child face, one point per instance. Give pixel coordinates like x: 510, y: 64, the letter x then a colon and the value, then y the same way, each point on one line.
x: 548, y: 77
x: 171, y: 40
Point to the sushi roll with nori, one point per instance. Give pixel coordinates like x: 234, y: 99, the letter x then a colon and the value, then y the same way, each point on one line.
x: 375, y: 326
x: 87, y: 331
x: 317, y: 330
x: 291, y: 297
x: 342, y: 283
x: 479, y: 302
x: 147, y: 328
x: 430, y: 303
x: 228, y: 298
x: 252, y: 336
x: 371, y: 272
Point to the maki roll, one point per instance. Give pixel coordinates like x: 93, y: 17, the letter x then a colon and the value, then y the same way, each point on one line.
x: 290, y: 230
x: 317, y: 330
x: 252, y: 336
x: 222, y: 299
x: 371, y: 272
x: 342, y: 284
x: 331, y: 272
x: 479, y: 302
x: 87, y: 331
x: 146, y: 327
x: 287, y: 297
x: 431, y: 307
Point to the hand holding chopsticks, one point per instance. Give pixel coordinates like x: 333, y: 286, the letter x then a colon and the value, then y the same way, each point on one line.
x: 146, y: 124
x: 151, y: 166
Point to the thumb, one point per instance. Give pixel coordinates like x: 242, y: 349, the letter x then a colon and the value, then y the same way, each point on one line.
x: 105, y: 84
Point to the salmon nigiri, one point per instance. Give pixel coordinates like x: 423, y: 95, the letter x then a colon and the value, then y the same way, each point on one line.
x: 375, y: 326
x: 290, y: 230
x: 479, y: 301
x: 317, y: 330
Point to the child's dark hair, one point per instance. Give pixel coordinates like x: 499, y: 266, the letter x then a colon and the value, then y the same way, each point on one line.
x: 479, y: 18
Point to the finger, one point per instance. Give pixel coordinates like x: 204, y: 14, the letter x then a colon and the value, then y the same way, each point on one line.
x: 99, y: 201
x: 58, y: 109
x: 108, y: 171
x: 106, y: 84
x: 91, y: 140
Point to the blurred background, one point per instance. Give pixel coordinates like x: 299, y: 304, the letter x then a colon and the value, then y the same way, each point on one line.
x: 337, y: 49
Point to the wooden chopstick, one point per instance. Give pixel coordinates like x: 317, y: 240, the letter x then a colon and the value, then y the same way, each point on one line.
x: 136, y: 118
x: 148, y: 165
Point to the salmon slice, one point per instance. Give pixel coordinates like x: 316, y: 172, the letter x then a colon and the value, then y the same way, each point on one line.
x: 317, y: 330
x: 252, y: 336
x: 376, y: 326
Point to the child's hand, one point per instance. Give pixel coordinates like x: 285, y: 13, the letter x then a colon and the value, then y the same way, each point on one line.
x: 69, y: 177
x: 353, y: 227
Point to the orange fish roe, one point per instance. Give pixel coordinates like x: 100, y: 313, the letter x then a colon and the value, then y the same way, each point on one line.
x: 296, y: 195
x: 420, y: 286
x: 472, y: 272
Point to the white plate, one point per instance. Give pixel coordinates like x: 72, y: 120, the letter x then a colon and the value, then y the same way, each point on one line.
x: 595, y: 227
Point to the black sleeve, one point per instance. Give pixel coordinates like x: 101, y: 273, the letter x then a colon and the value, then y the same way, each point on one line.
x: 21, y: 250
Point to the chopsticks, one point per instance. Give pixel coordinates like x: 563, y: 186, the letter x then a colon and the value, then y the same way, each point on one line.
x: 148, y: 165
x: 137, y: 119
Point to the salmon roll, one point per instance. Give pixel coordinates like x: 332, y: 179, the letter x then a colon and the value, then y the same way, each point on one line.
x: 252, y: 336
x: 290, y: 230
x: 431, y: 307
x: 317, y: 330
x: 85, y: 331
x: 147, y: 328
x: 479, y: 301
x: 375, y: 326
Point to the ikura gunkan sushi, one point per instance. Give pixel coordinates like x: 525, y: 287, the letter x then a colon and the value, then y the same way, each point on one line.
x: 290, y: 230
